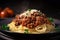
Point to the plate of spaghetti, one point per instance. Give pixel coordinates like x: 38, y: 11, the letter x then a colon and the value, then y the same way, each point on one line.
x: 31, y: 21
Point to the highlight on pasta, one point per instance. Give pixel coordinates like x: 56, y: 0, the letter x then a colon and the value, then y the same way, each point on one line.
x: 31, y: 21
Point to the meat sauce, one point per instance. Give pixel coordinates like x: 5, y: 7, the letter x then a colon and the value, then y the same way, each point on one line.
x: 31, y: 21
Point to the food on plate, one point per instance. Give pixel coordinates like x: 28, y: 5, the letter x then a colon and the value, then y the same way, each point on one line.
x: 31, y: 21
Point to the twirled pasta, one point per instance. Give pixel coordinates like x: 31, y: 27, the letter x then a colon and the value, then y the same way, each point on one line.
x: 34, y: 21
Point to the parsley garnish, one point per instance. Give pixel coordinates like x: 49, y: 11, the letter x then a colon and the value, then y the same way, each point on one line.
x: 5, y: 27
x: 26, y: 31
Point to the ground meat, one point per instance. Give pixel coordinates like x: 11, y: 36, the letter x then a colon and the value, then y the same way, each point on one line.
x: 17, y: 23
x: 23, y: 21
x: 31, y: 25
x: 36, y: 14
x: 31, y: 21
x: 37, y: 23
x: 38, y: 18
x: 20, y: 21
x: 17, y: 16
x: 47, y: 21
x: 33, y: 18
x: 22, y: 16
x: 43, y: 15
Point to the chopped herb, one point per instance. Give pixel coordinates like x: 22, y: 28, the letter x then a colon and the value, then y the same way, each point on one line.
x: 51, y: 19
x: 26, y: 31
x: 5, y: 27
x: 57, y: 29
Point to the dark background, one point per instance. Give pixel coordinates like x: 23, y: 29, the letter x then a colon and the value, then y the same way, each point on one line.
x: 49, y: 7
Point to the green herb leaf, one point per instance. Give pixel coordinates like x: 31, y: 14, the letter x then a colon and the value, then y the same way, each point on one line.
x: 26, y: 31
x: 51, y: 19
x: 57, y: 29
x: 5, y: 27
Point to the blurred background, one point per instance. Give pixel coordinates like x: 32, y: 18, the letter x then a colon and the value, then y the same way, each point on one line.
x: 50, y: 7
